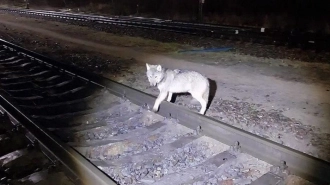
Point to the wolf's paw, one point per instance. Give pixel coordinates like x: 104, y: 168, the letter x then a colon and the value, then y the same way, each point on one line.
x: 154, y: 109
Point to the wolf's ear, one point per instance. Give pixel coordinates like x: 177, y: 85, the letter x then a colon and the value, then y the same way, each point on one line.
x: 148, y: 67
x: 159, y: 68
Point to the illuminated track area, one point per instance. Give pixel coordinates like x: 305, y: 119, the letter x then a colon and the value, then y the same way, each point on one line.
x: 102, y: 132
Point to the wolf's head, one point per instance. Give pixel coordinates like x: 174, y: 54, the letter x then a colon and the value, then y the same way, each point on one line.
x: 155, y: 74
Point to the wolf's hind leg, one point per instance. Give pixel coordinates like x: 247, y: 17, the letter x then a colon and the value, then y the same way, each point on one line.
x: 199, y: 97
x: 169, y: 97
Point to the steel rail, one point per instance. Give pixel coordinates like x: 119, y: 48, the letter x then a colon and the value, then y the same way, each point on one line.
x: 103, y: 20
x: 112, y: 20
x: 301, y: 164
x: 206, y: 25
x: 132, y: 20
x: 80, y: 169
x: 269, y: 36
x: 173, y: 26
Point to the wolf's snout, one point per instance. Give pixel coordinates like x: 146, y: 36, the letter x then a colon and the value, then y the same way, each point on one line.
x: 152, y: 84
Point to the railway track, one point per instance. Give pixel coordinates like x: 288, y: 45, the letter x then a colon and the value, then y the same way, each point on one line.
x: 18, y: 156
x: 102, y: 132
x: 292, y: 38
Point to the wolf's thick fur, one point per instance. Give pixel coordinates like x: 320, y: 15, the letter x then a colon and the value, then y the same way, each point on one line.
x: 178, y: 81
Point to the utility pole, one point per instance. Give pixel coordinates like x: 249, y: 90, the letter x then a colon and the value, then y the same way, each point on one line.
x: 201, y: 2
x: 137, y: 9
x: 27, y: 4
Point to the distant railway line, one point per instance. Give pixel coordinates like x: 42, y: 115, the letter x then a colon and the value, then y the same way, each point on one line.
x: 292, y: 38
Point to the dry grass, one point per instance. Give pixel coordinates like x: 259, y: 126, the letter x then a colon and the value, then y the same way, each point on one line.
x: 279, y: 21
x: 217, y: 57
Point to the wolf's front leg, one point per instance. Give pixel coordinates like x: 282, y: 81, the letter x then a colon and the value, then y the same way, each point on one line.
x: 161, y: 97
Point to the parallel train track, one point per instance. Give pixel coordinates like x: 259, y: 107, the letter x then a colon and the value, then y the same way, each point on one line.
x: 259, y: 35
x: 102, y: 132
x: 22, y: 160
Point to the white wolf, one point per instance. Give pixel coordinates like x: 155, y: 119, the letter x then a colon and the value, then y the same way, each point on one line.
x: 178, y: 81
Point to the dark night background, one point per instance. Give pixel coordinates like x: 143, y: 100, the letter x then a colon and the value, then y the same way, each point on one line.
x: 280, y: 14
